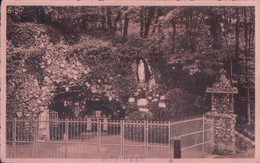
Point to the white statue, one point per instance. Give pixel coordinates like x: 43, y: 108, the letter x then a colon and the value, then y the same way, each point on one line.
x: 141, y: 72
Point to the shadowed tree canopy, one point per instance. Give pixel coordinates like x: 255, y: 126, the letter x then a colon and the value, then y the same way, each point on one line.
x: 184, y: 46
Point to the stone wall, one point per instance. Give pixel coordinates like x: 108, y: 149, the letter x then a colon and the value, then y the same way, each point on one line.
x: 223, y: 103
x: 224, y: 132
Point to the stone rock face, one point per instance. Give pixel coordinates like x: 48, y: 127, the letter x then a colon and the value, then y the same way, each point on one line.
x: 224, y: 132
x: 222, y: 100
x: 223, y: 103
x: 162, y: 105
x: 155, y: 100
x: 143, y: 109
x: 243, y: 142
x: 142, y: 102
x: 162, y: 97
x: 131, y: 99
x: 222, y: 86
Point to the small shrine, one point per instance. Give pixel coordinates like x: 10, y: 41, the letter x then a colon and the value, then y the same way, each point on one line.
x: 222, y: 95
x: 222, y: 115
x: 146, y: 93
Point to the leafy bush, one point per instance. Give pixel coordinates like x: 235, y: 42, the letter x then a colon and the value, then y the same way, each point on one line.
x: 179, y: 103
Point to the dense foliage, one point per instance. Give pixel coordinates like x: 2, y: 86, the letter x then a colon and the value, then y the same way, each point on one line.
x: 186, y: 47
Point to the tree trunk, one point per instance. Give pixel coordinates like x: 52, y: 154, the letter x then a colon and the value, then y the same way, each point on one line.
x: 190, y: 39
x: 158, y: 14
x: 109, y: 22
x: 103, y: 22
x: 250, y: 32
x: 253, y: 33
x: 41, y: 15
x: 246, y: 34
x: 215, y: 30
x: 246, y: 60
x: 173, y: 36
x: 126, y: 25
x: 237, y: 50
x: 228, y: 49
x: 118, y: 19
x: 187, y: 23
x: 148, y: 22
x: 142, y: 23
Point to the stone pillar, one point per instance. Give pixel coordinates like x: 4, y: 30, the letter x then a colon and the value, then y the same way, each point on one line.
x: 89, y: 124
x: 43, y: 126
x: 223, y: 132
x: 105, y: 124
x: 222, y: 114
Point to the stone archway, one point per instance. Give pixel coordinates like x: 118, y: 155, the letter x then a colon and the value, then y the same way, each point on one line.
x: 79, y: 102
x: 65, y: 78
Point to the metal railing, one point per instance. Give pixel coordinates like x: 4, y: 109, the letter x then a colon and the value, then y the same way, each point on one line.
x: 193, y: 133
x: 97, y: 138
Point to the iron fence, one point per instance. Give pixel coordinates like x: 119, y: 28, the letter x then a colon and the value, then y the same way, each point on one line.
x: 105, y: 138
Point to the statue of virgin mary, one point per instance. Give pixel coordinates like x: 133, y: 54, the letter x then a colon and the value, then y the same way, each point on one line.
x: 141, y: 72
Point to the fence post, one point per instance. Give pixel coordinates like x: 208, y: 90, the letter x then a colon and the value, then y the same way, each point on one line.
x: 35, y: 138
x: 66, y: 136
x: 14, y: 137
x: 177, y: 147
x: 146, y: 138
x: 169, y: 138
x: 213, y: 133
x: 98, y: 136
x: 203, y: 138
x: 122, y: 139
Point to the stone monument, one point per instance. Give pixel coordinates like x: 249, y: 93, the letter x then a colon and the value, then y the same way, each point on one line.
x: 222, y: 114
x: 141, y: 72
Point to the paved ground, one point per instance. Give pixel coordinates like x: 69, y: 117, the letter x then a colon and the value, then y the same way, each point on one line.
x: 84, y: 149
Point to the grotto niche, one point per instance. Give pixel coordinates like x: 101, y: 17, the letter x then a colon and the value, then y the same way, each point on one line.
x: 147, y: 92
x: 143, y: 72
x: 78, y: 102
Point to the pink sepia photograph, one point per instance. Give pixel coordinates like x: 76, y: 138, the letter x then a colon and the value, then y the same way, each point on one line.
x: 128, y: 81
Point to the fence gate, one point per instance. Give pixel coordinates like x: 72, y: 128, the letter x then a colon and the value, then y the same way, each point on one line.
x: 195, y: 135
x: 105, y: 138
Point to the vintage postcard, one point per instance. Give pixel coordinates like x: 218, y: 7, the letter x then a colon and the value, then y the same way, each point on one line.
x: 126, y: 81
